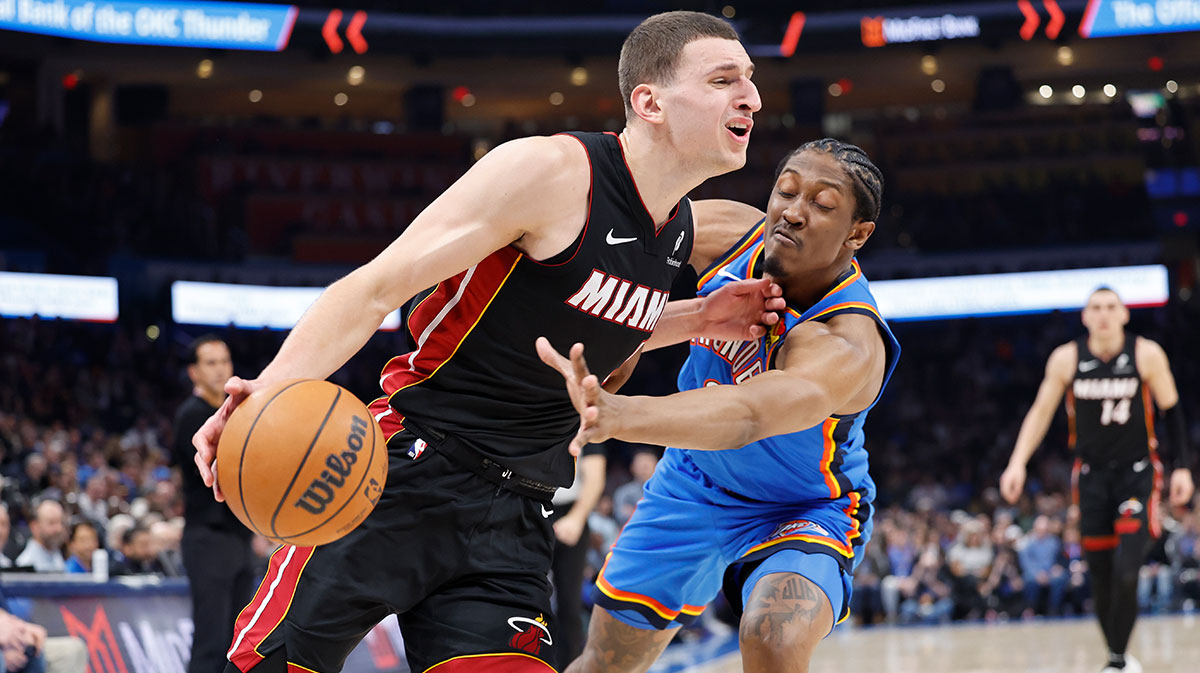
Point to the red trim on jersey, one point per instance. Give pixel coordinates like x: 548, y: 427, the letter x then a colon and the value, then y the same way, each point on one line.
x: 1099, y: 542
x: 499, y: 662
x: 444, y: 320
x: 674, y: 212
x: 390, y: 421
x: 1148, y: 408
x: 1071, y: 436
x: 1075, y: 481
x: 587, y: 219
x: 1152, y: 514
x: 269, y: 605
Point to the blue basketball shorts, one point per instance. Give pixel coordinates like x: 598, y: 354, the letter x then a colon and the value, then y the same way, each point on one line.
x: 688, y: 538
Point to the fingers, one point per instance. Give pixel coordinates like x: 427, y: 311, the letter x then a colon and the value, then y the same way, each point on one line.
x: 578, y: 363
x: 550, y: 356
x: 770, y: 318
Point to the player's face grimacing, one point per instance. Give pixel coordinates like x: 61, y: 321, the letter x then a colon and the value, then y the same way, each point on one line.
x: 1104, y: 314
x: 810, y: 217
x: 710, y: 103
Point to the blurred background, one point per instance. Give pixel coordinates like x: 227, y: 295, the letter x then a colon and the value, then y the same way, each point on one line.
x: 147, y: 143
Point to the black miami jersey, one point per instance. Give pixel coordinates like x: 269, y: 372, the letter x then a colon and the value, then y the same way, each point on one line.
x: 474, y: 372
x: 1109, y: 410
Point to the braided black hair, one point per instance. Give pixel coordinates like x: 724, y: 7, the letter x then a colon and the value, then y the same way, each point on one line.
x: 864, y: 174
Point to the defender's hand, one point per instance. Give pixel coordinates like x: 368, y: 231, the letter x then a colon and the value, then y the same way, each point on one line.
x: 595, y: 406
x: 1012, y: 482
x: 206, y: 438
x: 1182, y: 488
x: 742, y: 310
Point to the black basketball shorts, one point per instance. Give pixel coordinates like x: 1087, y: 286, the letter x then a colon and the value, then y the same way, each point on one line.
x: 462, y: 561
x: 1117, y: 500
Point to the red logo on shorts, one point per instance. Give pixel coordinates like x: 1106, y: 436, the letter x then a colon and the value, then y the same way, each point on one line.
x: 531, y: 633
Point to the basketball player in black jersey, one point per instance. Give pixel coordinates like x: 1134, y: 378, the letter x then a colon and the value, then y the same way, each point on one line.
x: 1110, y: 378
x: 575, y: 236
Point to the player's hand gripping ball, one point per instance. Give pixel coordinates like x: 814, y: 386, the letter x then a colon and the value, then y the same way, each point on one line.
x: 301, y: 462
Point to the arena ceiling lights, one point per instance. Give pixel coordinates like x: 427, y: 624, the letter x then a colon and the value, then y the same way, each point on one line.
x: 26, y: 295
x: 999, y: 294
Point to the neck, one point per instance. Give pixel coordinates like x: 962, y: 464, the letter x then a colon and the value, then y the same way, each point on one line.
x: 662, y: 177
x: 214, y: 398
x: 1107, y: 345
x: 805, y: 289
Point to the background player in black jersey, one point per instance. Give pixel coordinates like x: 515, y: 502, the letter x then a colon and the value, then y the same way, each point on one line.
x: 1109, y: 378
x: 544, y: 233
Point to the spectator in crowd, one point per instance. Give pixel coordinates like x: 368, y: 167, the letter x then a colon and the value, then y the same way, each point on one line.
x: 115, y: 531
x: 24, y: 647
x: 1044, y: 576
x: 970, y: 560
x: 82, y: 543
x: 926, y: 592
x: 93, y: 502
x: 137, y: 555
x: 1078, y: 591
x: 166, y: 537
x: 604, y: 530
x: 47, y: 531
x: 626, y: 497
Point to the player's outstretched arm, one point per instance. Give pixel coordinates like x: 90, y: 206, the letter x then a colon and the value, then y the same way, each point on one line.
x: 1059, y: 372
x: 526, y: 192
x: 1155, y: 370
x: 826, y: 368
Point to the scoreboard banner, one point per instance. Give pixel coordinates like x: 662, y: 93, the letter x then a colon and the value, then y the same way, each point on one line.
x: 1109, y: 18
x: 223, y: 25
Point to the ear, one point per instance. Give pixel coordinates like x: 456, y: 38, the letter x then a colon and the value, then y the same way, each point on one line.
x: 859, y: 233
x: 644, y: 100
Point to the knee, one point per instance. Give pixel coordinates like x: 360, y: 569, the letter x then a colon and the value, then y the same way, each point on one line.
x: 777, y: 647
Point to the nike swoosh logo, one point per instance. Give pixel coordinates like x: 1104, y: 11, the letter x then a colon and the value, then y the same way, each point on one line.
x: 1089, y: 365
x: 545, y: 512
x: 1141, y: 465
x: 612, y: 240
x: 725, y: 273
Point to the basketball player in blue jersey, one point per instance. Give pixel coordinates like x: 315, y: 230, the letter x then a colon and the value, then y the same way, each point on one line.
x: 580, y: 234
x: 765, y: 489
x: 1112, y: 380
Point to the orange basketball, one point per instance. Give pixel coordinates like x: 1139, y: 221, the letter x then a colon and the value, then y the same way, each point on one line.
x: 301, y: 462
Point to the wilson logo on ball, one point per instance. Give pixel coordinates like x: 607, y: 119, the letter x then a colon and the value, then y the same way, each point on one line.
x: 321, y: 491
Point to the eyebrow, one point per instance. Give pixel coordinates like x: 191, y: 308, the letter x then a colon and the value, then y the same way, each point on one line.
x: 724, y: 67
x: 825, y: 181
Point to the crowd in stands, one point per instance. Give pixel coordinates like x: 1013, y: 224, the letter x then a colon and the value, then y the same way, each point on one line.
x: 84, y: 422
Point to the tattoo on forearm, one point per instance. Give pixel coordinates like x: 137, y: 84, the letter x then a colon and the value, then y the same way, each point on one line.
x: 780, y: 601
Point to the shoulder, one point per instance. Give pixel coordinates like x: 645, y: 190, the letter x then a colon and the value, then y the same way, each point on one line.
x: 855, y: 333
x: 719, y: 224
x: 541, y: 158
x: 1063, y: 360
x: 1149, y: 354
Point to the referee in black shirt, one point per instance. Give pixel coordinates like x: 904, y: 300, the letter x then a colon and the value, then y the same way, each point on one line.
x: 216, y: 546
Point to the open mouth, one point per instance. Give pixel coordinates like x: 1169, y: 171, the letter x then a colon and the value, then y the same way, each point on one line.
x: 739, y: 129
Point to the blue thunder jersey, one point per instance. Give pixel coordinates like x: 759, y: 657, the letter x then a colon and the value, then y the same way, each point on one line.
x: 824, y: 461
